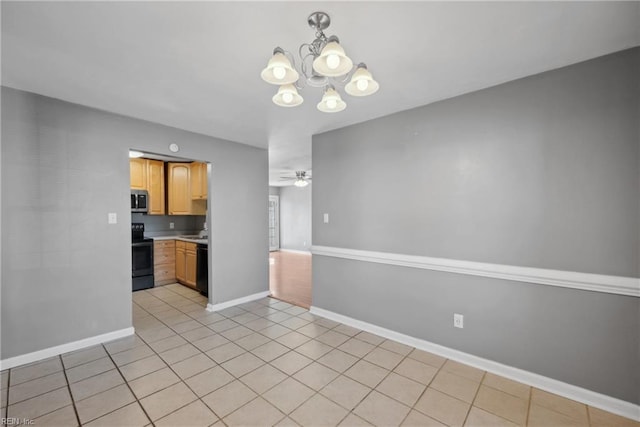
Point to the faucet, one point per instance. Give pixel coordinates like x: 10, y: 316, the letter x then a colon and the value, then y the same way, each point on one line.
x: 204, y: 233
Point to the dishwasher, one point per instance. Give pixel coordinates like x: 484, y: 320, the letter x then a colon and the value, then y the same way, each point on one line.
x: 202, y: 269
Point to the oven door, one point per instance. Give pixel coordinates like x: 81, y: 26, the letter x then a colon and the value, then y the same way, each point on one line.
x: 141, y: 259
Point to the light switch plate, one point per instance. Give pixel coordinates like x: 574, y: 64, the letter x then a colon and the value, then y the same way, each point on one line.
x: 326, y: 218
x: 458, y: 320
x: 112, y: 218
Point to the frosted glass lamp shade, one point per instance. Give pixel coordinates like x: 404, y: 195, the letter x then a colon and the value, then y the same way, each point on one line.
x: 301, y: 182
x: 331, y: 102
x: 332, y: 61
x: 362, y: 83
x: 279, y: 70
x: 287, y: 96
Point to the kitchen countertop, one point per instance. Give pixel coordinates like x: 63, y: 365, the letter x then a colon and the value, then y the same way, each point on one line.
x: 184, y: 239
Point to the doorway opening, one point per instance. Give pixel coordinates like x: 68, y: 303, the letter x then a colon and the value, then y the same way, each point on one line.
x: 171, y: 214
x: 290, y: 276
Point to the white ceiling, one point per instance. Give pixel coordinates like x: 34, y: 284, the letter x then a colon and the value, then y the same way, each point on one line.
x: 196, y: 65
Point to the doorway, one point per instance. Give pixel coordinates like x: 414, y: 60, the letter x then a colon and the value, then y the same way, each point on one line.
x: 289, y: 244
x: 176, y: 222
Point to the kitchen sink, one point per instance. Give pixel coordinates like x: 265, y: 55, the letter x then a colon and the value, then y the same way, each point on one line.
x: 193, y: 237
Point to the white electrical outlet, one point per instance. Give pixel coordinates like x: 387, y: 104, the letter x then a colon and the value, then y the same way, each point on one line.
x: 458, y: 320
x: 172, y: 225
x: 326, y: 218
x: 112, y: 218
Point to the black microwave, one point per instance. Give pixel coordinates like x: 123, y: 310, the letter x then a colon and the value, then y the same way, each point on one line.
x: 139, y: 201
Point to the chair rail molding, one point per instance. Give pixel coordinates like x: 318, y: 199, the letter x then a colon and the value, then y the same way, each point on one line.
x: 629, y: 286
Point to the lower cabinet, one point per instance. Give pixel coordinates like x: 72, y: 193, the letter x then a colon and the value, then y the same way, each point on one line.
x: 164, y: 262
x: 186, y: 262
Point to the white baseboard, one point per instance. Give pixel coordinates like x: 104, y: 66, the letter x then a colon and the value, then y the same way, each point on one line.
x: 295, y: 251
x: 604, y: 402
x: 227, y: 304
x: 23, y: 359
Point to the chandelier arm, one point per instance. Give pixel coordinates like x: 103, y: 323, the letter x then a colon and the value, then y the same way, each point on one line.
x: 303, y: 66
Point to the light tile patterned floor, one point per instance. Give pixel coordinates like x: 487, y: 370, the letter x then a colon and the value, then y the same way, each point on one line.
x: 268, y: 363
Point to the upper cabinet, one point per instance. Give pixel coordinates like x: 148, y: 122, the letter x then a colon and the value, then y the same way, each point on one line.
x: 179, y: 189
x: 185, y: 186
x: 198, y: 180
x: 181, y: 180
x: 138, y: 170
x: 148, y: 175
x: 155, y: 186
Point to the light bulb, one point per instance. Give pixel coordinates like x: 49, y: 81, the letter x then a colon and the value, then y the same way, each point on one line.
x: 287, y: 97
x: 331, y: 103
x: 333, y: 61
x: 279, y: 72
x: 362, y: 84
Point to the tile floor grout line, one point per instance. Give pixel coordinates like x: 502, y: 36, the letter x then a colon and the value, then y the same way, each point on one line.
x: 6, y: 408
x: 37, y: 378
x: 130, y: 390
x: 73, y: 401
x: 35, y: 395
x: 258, y: 396
x: 475, y: 396
x: 530, y: 402
x: 427, y: 388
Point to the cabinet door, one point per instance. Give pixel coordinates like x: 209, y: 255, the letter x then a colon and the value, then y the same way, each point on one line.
x: 180, y: 264
x: 191, y: 264
x: 196, y: 180
x: 204, y: 181
x: 179, y: 191
x: 155, y: 186
x: 138, y: 171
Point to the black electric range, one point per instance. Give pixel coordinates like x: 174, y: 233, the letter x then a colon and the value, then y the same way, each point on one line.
x: 141, y: 258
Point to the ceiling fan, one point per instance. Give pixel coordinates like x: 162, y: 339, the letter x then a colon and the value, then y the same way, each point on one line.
x: 301, y: 179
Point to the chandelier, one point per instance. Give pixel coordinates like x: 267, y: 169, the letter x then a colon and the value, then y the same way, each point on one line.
x: 323, y: 63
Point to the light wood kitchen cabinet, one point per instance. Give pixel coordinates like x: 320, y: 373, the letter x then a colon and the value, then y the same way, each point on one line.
x: 198, y: 180
x: 179, y: 190
x: 147, y: 174
x: 191, y: 261
x: 180, y: 261
x: 155, y: 186
x: 186, y: 263
x: 180, y: 182
x: 164, y: 262
x: 138, y: 171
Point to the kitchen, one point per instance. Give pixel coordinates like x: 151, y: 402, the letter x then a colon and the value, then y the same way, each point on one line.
x: 169, y: 233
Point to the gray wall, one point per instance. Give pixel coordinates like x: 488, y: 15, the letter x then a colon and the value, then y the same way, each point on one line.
x: 539, y: 172
x: 274, y: 191
x: 295, y: 218
x: 66, y: 273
